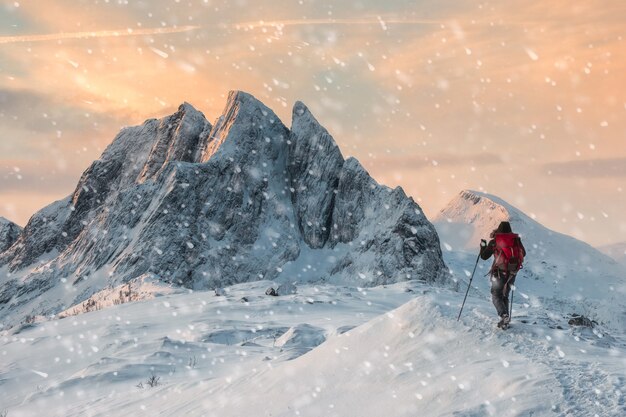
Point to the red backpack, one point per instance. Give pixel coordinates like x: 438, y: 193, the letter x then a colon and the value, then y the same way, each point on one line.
x: 508, y: 253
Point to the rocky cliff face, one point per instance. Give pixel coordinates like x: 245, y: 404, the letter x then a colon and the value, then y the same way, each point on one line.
x: 202, y: 205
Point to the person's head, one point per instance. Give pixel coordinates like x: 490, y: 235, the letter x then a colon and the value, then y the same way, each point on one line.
x: 504, y: 227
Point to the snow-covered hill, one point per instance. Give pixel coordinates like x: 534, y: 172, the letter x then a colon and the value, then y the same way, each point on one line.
x: 204, y: 205
x: 558, y: 267
x: 325, y: 351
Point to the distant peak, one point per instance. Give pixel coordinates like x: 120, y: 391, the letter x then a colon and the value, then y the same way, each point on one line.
x: 471, y: 195
x: 479, y: 196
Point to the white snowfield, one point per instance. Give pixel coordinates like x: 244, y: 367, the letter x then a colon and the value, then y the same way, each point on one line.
x: 325, y: 351
x: 155, y: 349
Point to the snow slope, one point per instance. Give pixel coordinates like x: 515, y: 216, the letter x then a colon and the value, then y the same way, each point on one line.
x: 616, y: 251
x: 558, y: 268
x: 327, y: 350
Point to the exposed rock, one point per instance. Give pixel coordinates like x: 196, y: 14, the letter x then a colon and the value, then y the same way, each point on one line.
x: 314, y: 166
x: 205, y: 206
x: 301, y: 336
x: 577, y: 320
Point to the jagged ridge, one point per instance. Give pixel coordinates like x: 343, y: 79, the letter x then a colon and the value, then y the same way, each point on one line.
x: 204, y: 205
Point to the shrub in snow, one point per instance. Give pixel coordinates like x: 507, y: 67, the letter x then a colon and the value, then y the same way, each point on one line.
x: 153, y: 381
x: 271, y: 291
x: 220, y: 292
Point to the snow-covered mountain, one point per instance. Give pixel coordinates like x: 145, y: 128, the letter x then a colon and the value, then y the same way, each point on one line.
x: 557, y: 267
x: 9, y: 232
x: 616, y: 251
x: 246, y: 200
x: 202, y: 205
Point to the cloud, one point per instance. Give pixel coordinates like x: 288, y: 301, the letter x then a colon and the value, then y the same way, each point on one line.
x: 40, y: 112
x: 94, y: 34
x: 532, y: 84
x: 590, y: 168
x: 381, y: 21
x: 41, y: 179
x: 440, y: 160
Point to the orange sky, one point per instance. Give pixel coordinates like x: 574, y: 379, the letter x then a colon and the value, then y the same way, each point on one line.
x: 523, y: 99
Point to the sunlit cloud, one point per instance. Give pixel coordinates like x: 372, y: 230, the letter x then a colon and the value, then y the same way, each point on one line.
x: 589, y: 168
x: 381, y: 21
x: 95, y: 34
x: 432, y: 96
x: 418, y: 162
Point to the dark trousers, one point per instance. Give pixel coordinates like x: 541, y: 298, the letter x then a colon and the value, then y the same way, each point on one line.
x: 501, y: 282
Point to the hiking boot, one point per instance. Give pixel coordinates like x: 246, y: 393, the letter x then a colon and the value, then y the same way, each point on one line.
x: 504, y: 321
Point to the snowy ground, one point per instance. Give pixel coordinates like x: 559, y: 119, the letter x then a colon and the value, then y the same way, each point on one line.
x: 302, y: 355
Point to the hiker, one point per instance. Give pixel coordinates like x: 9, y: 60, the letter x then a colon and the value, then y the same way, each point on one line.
x: 508, y: 252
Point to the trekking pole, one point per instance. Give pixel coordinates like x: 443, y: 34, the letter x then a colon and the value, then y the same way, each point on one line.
x: 511, y: 308
x: 468, y: 287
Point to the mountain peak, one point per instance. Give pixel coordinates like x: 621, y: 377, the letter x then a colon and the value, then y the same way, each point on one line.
x: 472, y: 215
x: 482, y: 197
x: 186, y: 107
x: 178, y: 137
x: 299, y: 109
x: 303, y: 123
x: 245, y: 125
x: 242, y: 96
x: 246, y: 102
x: 470, y: 206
